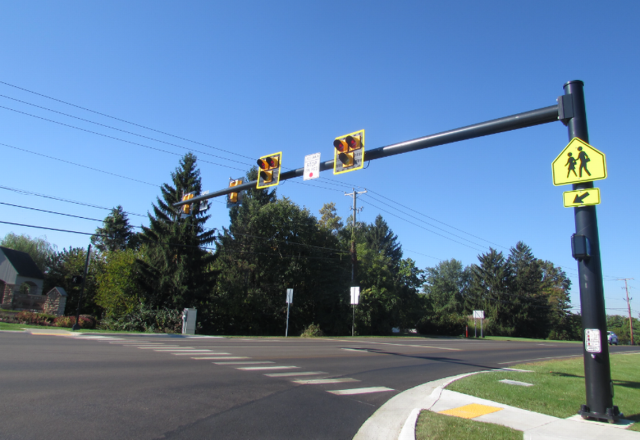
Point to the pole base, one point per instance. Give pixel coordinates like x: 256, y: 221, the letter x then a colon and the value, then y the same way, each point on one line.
x: 75, y: 327
x: 611, y: 415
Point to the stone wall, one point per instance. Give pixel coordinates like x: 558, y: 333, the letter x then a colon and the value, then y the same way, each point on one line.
x: 52, y: 303
x: 55, y: 303
x: 7, y: 296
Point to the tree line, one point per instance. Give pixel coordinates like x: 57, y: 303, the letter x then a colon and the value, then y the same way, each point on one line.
x: 237, y: 276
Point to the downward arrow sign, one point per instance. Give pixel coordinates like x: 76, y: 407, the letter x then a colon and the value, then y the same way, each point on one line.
x: 580, y: 199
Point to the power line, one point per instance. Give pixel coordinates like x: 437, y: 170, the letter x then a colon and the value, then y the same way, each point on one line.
x: 123, y: 140
x: 51, y: 212
x: 436, y: 220
x: 427, y: 229
x: 63, y: 200
x: 117, y: 129
x: 235, y: 153
x: 122, y: 120
x: 79, y: 165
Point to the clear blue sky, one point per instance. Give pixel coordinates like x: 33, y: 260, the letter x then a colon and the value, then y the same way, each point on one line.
x: 254, y: 77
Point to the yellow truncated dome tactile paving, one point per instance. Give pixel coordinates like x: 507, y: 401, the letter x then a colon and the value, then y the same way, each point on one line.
x: 471, y: 411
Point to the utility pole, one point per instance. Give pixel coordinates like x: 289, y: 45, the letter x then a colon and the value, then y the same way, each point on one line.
x: 354, y: 258
x: 626, y: 287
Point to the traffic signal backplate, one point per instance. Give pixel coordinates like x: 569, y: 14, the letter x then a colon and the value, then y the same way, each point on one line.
x: 348, y: 156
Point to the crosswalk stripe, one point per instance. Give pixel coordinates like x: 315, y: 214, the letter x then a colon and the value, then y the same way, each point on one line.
x: 154, y: 347
x: 276, y: 367
x: 222, y: 358
x: 299, y: 373
x: 243, y: 362
x: 324, y: 381
x: 189, y: 353
x: 361, y: 391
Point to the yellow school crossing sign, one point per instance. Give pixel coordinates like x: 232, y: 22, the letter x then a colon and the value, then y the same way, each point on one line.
x: 578, y: 162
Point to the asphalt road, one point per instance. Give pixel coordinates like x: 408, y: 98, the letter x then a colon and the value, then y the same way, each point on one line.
x: 172, y: 387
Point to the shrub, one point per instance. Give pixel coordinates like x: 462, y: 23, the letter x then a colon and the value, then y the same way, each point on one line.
x: 312, y: 331
x: 446, y: 325
x: 33, y: 318
x: 145, y: 319
x: 86, y: 321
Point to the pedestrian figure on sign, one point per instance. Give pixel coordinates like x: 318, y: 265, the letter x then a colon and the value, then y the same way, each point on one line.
x: 571, y: 163
x: 583, y: 158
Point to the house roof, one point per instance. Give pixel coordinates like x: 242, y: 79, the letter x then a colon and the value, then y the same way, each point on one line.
x: 22, y: 263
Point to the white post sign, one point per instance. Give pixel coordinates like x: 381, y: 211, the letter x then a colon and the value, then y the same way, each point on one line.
x: 477, y: 314
x: 311, y: 166
x: 289, y: 301
x: 355, y: 295
x: 592, y: 340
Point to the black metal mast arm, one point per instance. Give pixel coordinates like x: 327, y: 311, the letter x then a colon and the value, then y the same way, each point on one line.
x: 508, y: 123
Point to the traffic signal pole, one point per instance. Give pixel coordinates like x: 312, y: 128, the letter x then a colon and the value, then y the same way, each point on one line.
x: 570, y: 109
x: 597, y: 370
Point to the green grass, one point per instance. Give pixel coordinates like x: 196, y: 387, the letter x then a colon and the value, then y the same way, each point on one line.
x: 559, y: 387
x: 434, y: 426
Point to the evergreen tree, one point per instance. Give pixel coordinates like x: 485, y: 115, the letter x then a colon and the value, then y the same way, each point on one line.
x: 116, y: 233
x: 489, y: 291
x: 530, y: 305
x: 380, y: 238
x: 176, y: 268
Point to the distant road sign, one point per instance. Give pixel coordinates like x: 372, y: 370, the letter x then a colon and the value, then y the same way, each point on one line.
x: 578, y: 162
x: 583, y: 197
x: 311, y: 166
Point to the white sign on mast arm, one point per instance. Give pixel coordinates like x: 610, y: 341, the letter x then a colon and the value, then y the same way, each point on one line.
x: 311, y: 166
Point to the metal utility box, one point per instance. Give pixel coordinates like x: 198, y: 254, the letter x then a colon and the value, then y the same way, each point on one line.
x: 189, y: 321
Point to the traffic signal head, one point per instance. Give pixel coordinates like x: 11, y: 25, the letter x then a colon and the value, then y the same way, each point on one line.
x: 233, y: 198
x: 349, y: 152
x: 186, y: 208
x: 269, y: 173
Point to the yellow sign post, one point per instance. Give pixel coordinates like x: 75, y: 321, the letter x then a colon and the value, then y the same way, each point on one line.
x: 582, y: 197
x: 578, y: 162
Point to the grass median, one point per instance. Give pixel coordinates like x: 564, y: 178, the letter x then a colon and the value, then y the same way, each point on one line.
x: 558, y: 390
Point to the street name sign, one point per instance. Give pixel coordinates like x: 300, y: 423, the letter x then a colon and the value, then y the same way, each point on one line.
x: 583, y: 197
x: 578, y: 162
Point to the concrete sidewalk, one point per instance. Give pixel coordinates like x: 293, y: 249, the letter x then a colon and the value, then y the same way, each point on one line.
x: 396, y: 419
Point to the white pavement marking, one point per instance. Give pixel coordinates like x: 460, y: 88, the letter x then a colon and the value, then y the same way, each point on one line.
x: 400, y: 345
x: 161, y: 349
x: 360, y: 350
x: 137, y: 343
x: 276, y: 367
x: 223, y: 358
x: 154, y: 347
x: 100, y: 338
x: 324, y: 381
x: 361, y: 391
x: 180, y: 350
x: 190, y: 352
x: 243, y: 362
x: 540, y: 359
x: 299, y: 373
